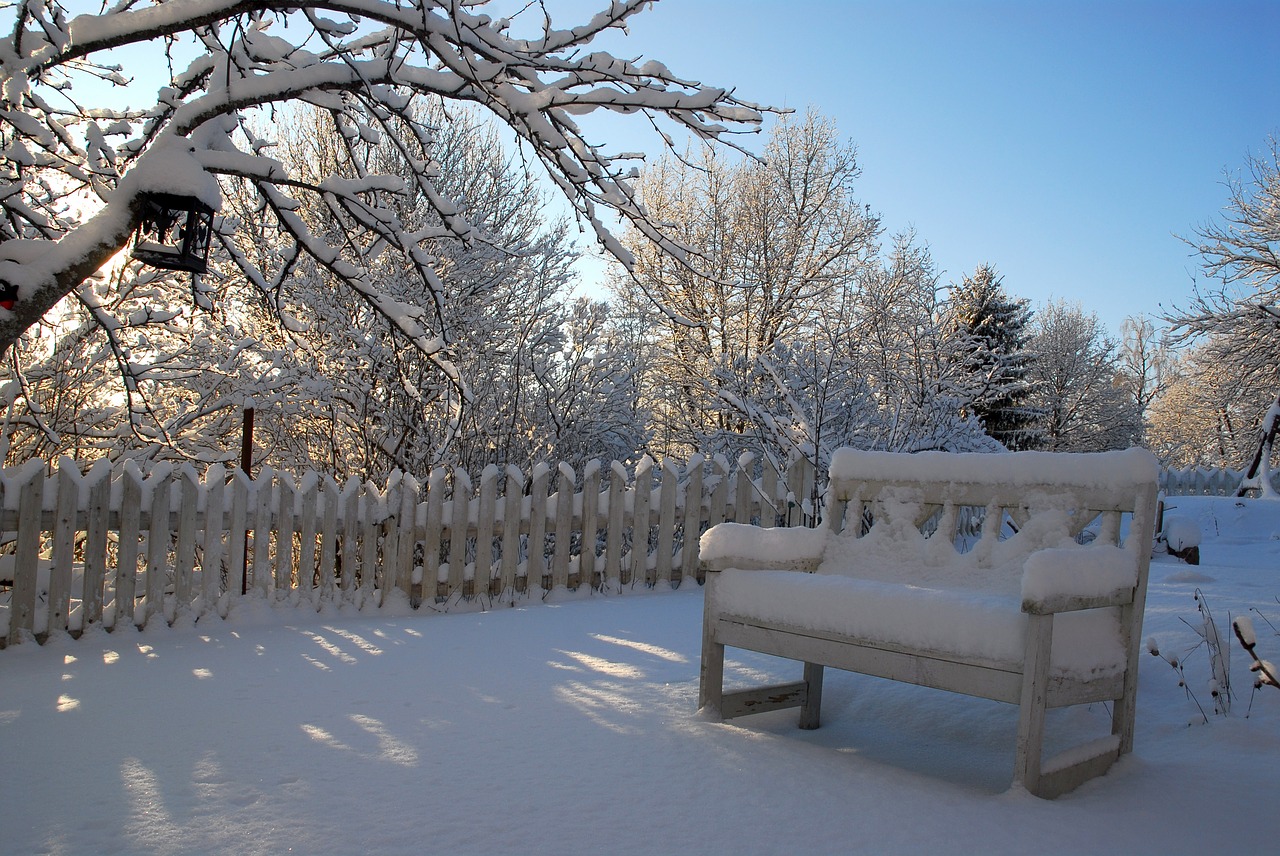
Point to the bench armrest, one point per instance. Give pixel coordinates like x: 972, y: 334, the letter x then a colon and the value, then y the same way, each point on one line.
x: 1068, y: 579
x: 752, y: 548
x: 1070, y: 603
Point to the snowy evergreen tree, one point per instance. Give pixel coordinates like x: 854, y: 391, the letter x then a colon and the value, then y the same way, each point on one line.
x: 994, y: 358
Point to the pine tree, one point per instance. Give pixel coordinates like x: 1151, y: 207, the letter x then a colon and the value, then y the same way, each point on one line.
x: 995, y: 364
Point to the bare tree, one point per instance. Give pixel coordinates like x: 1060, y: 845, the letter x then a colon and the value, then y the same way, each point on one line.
x: 1076, y: 384
x: 778, y: 242
x: 1236, y: 322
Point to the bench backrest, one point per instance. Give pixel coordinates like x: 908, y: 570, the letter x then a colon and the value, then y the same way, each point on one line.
x: 924, y: 503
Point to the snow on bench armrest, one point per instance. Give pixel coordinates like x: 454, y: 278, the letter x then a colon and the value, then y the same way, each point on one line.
x: 1067, y: 579
x: 739, y: 545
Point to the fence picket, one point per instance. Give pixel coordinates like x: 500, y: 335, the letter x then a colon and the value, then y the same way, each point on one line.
x: 616, y: 530
x: 238, y: 535
x: 215, y: 525
x: 564, y: 527
x: 512, y: 514
x: 350, y: 532
x: 370, y: 523
x: 127, y: 545
x: 536, y: 553
x: 309, y: 491
x: 587, y: 573
x: 407, y: 539
x: 666, y: 524
x: 97, y: 524
x: 22, y: 609
x: 459, y: 522
x: 744, y: 489
x: 262, y: 533
x: 159, y: 531
x: 286, y: 499
x: 690, y: 523
x: 184, y: 557
x: 486, y: 520
x: 64, y: 547
x: 642, y: 499
x: 328, y: 540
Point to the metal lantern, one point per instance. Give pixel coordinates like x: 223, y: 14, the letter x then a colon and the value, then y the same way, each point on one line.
x: 174, y: 233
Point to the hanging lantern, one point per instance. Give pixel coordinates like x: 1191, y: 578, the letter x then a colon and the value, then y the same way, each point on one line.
x: 174, y: 233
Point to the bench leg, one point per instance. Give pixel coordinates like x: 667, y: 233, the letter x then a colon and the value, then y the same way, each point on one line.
x: 1035, y: 689
x: 811, y: 710
x: 1122, y: 711
x: 711, y: 680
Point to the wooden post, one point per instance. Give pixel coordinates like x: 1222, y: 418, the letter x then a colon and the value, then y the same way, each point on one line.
x: 246, y: 466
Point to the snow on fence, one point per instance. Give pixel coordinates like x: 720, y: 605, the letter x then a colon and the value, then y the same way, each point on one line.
x: 113, y: 546
x: 1202, y: 481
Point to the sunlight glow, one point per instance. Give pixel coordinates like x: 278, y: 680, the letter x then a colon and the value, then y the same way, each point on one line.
x: 605, y: 667
x: 364, y: 644
x: 645, y: 647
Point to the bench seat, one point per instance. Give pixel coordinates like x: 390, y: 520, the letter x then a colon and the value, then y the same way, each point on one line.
x: 965, y: 624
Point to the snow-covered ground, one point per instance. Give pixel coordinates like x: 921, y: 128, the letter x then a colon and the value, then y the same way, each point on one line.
x: 570, y: 728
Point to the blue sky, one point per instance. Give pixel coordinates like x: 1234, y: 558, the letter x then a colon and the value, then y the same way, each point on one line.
x: 1067, y: 143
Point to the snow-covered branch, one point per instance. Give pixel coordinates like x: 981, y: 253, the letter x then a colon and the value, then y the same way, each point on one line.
x: 65, y: 212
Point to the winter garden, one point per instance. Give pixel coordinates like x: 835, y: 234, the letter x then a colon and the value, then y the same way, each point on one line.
x: 334, y: 517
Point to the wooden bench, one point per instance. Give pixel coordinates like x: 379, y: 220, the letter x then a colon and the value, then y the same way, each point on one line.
x: 1041, y: 607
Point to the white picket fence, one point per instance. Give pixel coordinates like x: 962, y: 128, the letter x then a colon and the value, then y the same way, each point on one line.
x: 1204, y: 481
x: 113, y: 546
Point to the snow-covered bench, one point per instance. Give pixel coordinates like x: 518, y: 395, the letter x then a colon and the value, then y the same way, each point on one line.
x: 1042, y: 608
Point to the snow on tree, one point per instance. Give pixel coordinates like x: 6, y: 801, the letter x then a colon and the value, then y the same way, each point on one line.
x: 779, y: 242
x: 1084, y: 403
x: 994, y: 356
x: 74, y: 173
x: 1148, y: 364
x: 912, y: 358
